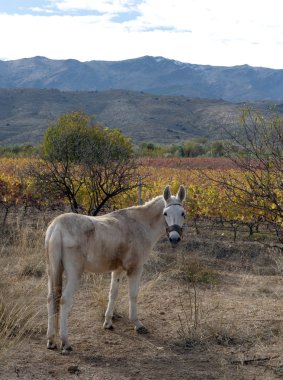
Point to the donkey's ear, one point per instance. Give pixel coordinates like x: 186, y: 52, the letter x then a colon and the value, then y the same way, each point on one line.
x: 181, y: 195
x: 167, y: 193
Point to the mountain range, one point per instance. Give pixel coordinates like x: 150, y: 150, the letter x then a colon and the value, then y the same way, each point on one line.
x: 155, y: 75
x: 150, y: 99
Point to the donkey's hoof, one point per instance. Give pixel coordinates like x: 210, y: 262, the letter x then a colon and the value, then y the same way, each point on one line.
x: 142, y: 330
x: 51, y: 346
x: 65, y: 350
x: 111, y: 327
x: 108, y: 326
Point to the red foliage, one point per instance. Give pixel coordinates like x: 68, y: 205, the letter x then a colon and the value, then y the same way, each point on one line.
x: 211, y: 163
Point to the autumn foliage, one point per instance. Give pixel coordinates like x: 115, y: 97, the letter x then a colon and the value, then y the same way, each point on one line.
x: 206, y: 199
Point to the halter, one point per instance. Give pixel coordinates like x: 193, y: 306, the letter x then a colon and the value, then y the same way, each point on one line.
x: 174, y: 204
x: 174, y: 227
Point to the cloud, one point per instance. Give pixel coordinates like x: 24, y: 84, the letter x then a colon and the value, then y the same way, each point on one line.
x: 116, y: 10
x: 102, y: 6
x: 217, y: 32
x: 111, y: 7
x: 38, y: 10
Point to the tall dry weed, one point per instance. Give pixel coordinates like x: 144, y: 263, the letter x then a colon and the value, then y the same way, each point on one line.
x: 22, y: 283
x: 206, y: 320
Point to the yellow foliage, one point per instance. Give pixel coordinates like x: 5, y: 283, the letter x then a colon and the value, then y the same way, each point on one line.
x: 205, y: 199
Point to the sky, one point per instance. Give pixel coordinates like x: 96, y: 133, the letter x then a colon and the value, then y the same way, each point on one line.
x: 207, y: 32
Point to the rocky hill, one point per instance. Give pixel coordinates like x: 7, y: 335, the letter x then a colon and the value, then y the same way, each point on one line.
x: 26, y: 113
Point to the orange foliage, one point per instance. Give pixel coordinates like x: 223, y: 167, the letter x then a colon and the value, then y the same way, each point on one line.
x: 204, y: 200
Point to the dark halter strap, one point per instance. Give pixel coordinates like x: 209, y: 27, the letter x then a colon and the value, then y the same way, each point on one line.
x: 174, y: 204
x: 176, y: 228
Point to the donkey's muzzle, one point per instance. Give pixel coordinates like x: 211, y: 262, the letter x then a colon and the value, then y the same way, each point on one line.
x: 175, y: 237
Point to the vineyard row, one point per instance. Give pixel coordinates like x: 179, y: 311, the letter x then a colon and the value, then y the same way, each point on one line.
x: 205, y: 199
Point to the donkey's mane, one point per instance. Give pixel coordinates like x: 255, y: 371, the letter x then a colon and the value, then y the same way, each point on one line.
x: 157, y: 199
x: 160, y: 199
x: 151, y: 202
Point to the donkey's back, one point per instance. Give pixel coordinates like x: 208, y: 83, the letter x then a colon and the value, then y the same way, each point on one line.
x: 95, y: 244
x: 72, y: 229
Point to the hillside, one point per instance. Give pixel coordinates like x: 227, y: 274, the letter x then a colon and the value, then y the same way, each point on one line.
x: 156, y: 75
x: 26, y: 113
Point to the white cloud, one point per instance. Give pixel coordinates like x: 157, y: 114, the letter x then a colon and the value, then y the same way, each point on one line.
x: 40, y: 10
x: 217, y: 32
x: 102, y: 6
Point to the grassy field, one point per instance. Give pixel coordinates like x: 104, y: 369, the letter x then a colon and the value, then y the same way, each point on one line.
x: 213, y: 308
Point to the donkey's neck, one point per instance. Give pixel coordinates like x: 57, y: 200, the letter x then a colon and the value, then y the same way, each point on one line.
x: 152, y: 215
x: 154, y: 207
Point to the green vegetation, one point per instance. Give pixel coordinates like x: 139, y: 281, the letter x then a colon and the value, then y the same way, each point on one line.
x: 198, y: 147
x: 85, y: 164
x: 26, y: 150
x: 77, y: 139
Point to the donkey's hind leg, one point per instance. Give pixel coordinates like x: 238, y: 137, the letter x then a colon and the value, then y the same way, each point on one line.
x: 73, y: 275
x: 113, y: 293
x: 53, y: 307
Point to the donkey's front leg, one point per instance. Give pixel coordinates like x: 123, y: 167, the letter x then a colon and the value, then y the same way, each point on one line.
x: 134, y: 281
x: 113, y: 293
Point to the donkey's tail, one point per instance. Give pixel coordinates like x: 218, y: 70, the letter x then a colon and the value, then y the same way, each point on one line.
x: 54, y: 251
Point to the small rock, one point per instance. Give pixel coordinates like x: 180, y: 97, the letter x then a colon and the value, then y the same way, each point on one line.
x: 74, y: 370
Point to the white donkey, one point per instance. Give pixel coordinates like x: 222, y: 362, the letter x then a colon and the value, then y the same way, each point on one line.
x: 119, y: 242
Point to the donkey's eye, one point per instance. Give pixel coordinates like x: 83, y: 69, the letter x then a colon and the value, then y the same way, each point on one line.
x: 183, y: 214
x: 165, y: 213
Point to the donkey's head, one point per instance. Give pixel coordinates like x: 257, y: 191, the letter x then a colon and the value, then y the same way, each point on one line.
x: 174, y: 214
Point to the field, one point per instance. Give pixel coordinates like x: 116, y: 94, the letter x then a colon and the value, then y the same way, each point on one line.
x: 213, y: 305
x: 206, y: 198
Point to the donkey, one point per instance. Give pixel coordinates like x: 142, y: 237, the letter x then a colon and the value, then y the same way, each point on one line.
x: 118, y: 242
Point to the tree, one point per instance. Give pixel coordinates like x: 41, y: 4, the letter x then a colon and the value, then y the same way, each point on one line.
x: 85, y: 163
x: 193, y: 149
x: 217, y: 149
x: 256, y: 150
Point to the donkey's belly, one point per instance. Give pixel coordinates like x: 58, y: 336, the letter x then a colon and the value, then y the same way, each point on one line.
x: 100, y: 266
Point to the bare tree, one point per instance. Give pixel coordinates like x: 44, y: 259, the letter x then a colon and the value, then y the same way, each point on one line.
x: 256, y: 150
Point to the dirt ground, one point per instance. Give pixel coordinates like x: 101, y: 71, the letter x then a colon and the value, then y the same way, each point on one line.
x: 213, y: 309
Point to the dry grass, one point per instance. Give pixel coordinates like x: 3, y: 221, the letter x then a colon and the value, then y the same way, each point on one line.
x: 22, y: 284
x: 210, y: 301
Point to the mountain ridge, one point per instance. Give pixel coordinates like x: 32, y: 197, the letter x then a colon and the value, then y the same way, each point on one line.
x: 154, y: 75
